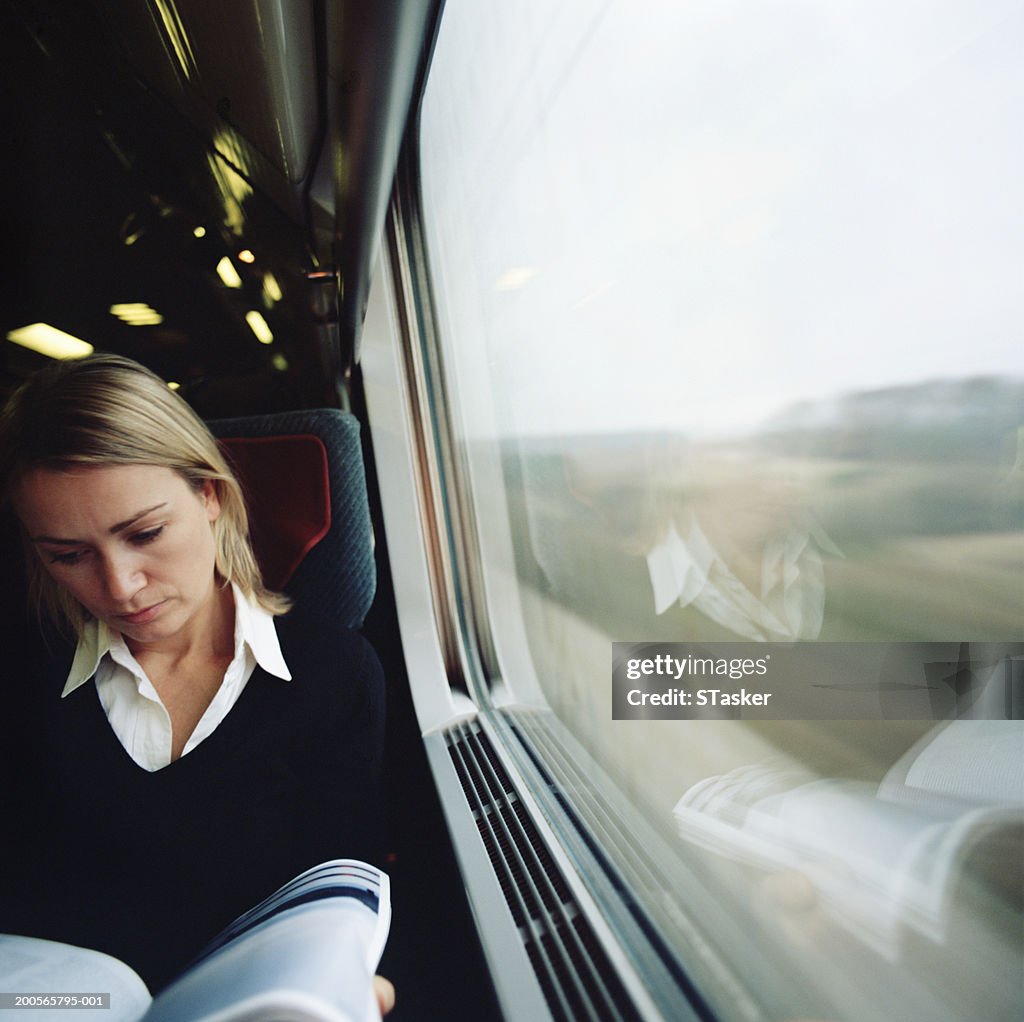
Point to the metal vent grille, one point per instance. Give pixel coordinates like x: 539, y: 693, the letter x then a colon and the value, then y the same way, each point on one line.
x: 574, y: 972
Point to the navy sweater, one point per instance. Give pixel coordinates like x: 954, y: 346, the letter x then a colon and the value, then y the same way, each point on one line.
x: 148, y: 866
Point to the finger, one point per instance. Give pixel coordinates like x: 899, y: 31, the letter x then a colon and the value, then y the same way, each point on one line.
x: 385, y: 991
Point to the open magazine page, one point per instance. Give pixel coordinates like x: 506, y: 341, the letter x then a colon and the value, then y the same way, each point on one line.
x: 946, y: 764
x: 307, y: 953
x: 32, y: 966
x: 900, y: 860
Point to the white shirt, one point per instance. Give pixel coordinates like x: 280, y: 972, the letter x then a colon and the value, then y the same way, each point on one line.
x: 137, y: 715
x: 791, y: 603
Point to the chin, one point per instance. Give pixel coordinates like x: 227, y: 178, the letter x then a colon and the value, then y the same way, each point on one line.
x: 163, y: 627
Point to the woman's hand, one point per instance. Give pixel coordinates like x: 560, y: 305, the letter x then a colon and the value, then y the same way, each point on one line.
x: 385, y: 991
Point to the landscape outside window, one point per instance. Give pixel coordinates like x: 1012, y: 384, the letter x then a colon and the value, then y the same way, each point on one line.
x: 729, y: 296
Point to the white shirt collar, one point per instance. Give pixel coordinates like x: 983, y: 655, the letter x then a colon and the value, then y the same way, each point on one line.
x: 679, y: 567
x: 254, y: 627
x: 689, y: 570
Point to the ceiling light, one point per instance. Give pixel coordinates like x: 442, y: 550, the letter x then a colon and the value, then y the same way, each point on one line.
x: 515, y: 277
x: 271, y: 289
x: 199, y: 232
x: 246, y: 256
x: 136, y: 314
x: 50, y: 341
x: 177, y: 36
x: 258, y: 325
x: 227, y: 273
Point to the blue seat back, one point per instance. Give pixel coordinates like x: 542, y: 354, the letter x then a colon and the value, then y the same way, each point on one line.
x: 305, y: 487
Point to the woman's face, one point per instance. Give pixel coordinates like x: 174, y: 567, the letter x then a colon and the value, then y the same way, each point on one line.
x: 132, y: 543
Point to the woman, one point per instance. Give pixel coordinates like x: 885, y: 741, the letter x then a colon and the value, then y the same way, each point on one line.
x: 185, y: 752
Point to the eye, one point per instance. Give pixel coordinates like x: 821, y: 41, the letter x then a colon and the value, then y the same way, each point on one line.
x: 147, y: 536
x: 71, y: 557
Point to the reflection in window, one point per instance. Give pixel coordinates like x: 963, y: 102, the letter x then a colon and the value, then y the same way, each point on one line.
x: 730, y: 296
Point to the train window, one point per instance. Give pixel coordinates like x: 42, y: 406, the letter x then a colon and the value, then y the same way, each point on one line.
x: 728, y: 299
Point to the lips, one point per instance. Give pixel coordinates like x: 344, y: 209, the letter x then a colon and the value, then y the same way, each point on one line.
x: 142, y: 616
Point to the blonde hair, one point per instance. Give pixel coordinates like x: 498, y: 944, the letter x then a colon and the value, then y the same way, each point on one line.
x: 109, y: 410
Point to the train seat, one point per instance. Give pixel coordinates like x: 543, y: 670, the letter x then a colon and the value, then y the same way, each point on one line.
x: 303, y: 478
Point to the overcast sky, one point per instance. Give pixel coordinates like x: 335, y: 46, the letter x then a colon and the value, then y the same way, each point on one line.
x: 690, y: 215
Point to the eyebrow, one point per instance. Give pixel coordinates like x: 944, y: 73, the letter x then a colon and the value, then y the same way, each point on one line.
x: 114, y: 529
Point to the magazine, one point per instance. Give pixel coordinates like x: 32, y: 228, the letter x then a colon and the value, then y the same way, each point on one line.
x: 886, y: 858
x: 306, y: 954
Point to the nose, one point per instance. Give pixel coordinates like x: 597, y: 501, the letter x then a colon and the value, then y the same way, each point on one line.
x: 122, y: 576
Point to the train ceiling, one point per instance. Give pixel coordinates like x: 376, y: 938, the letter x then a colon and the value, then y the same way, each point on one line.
x: 201, y: 186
